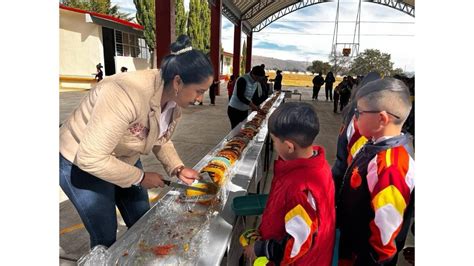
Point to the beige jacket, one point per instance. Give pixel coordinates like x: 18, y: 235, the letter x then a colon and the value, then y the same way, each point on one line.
x: 116, y: 122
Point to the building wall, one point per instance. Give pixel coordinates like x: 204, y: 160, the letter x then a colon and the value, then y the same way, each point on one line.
x: 81, y: 49
x: 131, y: 63
x: 80, y: 45
x: 226, y: 65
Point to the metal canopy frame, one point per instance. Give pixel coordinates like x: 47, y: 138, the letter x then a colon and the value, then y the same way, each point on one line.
x: 396, y: 4
x: 249, y: 16
x: 285, y: 11
x: 259, y: 6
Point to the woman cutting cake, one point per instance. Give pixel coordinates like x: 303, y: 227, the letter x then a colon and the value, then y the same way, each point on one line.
x: 124, y: 116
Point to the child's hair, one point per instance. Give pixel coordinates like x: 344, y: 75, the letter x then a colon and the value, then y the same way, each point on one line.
x: 294, y: 121
x: 192, y: 65
x: 388, y: 94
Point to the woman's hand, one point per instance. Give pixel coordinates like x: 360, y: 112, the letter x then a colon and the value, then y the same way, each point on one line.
x: 152, y: 180
x: 188, y: 175
x: 253, y: 107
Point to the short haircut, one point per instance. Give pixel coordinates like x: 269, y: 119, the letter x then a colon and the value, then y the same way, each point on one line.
x: 258, y: 71
x: 192, y: 66
x: 295, y: 121
x: 388, y: 94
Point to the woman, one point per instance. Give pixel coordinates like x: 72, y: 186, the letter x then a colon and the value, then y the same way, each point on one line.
x: 124, y: 116
x: 241, y: 100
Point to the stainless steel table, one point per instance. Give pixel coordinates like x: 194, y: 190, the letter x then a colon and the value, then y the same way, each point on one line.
x: 222, y: 228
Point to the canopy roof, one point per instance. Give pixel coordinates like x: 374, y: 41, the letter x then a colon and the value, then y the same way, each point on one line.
x: 257, y: 14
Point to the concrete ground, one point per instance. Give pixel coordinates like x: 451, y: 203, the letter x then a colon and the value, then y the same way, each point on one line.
x: 200, y: 129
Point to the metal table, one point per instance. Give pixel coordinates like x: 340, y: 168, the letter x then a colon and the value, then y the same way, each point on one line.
x: 223, y: 228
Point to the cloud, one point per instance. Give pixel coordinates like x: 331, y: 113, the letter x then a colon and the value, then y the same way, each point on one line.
x: 126, y: 6
x: 279, y: 25
x: 274, y: 46
x: 226, y: 24
x: 318, y: 47
x: 287, y: 39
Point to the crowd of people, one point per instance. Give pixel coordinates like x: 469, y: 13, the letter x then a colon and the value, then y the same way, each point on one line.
x: 361, y: 206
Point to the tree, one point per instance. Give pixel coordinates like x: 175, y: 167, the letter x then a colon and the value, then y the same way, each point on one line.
x: 340, y: 64
x: 206, y: 25
x: 372, y: 60
x: 195, y: 24
x: 396, y: 71
x: 98, y: 6
x: 319, y: 66
x: 146, y: 17
x: 181, y: 18
x: 243, y: 58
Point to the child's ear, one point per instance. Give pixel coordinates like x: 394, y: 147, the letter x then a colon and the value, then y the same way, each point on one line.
x: 384, y: 118
x: 290, y: 146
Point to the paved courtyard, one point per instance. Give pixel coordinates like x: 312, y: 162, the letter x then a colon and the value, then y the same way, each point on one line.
x: 200, y: 129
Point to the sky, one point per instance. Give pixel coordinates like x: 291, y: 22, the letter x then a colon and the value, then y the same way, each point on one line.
x: 307, y: 34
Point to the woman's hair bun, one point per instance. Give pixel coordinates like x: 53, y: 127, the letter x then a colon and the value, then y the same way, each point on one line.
x: 181, y: 42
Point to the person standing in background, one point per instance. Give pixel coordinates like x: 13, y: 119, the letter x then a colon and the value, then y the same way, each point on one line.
x: 212, y: 92
x: 318, y: 81
x: 278, y: 78
x: 230, y: 86
x: 329, y: 81
x: 99, y: 75
x: 345, y: 92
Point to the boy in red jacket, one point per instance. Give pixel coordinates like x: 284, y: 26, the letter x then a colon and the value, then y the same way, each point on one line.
x: 298, y: 224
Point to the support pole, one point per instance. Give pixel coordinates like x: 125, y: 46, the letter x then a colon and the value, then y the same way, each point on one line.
x: 164, y: 28
x: 215, y: 49
x: 248, y: 63
x: 236, y: 57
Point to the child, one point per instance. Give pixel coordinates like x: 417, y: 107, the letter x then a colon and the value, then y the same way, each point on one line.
x: 99, y: 75
x: 298, y: 223
x: 375, y: 200
x: 230, y: 86
x: 337, y: 92
x: 349, y: 140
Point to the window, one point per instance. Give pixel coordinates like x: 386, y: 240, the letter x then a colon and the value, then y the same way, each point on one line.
x: 127, y: 44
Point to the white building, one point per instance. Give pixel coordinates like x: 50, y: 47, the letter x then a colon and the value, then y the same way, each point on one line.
x: 226, y: 63
x: 88, y: 38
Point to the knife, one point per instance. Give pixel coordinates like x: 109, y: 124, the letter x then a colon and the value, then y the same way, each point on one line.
x: 178, y: 185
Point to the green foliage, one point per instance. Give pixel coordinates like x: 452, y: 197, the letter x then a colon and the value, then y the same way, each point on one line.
x: 146, y: 18
x: 206, y: 26
x: 318, y: 66
x: 372, y: 60
x: 396, y: 71
x: 243, y: 58
x: 340, y: 65
x: 181, y: 17
x: 194, y: 24
x: 98, y: 6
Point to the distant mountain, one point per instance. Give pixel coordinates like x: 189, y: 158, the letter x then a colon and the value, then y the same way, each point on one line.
x: 274, y: 63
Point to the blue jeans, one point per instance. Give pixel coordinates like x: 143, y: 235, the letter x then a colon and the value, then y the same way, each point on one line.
x: 95, y: 201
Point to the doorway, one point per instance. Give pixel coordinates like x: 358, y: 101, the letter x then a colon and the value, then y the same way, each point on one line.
x: 109, y: 50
